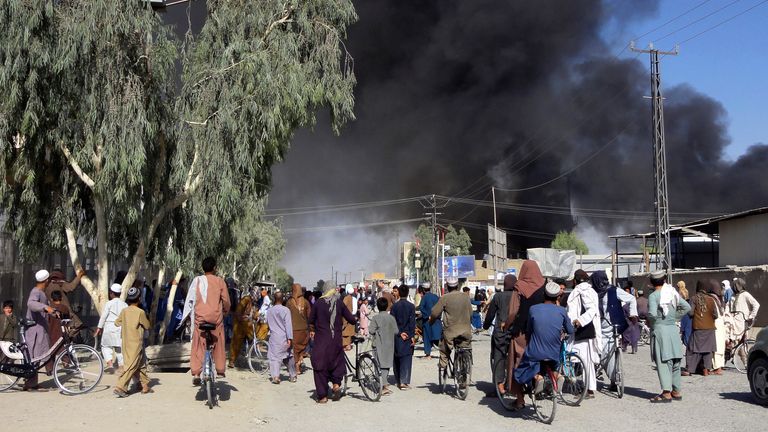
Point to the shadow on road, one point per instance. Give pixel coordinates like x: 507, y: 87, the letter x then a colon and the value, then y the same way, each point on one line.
x: 745, y: 397
x: 223, y: 392
x: 632, y: 391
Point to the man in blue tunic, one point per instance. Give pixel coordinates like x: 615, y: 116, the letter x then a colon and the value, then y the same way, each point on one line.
x: 431, y: 332
x: 546, y: 323
x: 405, y: 315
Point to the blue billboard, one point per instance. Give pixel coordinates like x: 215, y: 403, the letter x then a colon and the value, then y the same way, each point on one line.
x: 462, y: 266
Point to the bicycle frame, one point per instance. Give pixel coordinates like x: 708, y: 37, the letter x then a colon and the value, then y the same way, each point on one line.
x: 28, y: 368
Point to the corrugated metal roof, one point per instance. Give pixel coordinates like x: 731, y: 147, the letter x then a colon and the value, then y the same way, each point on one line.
x: 707, y: 225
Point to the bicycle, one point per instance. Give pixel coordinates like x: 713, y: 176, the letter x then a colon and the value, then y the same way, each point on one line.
x: 544, y: 398
x: 459, y: 368
x: 618, y: 370
x: 256, y: 352
x: 738, y: 353
x: 77, y: 369
x: 573, y: 385
x: 365, y: 371
x: 208, y: 377
x: 507, y: 399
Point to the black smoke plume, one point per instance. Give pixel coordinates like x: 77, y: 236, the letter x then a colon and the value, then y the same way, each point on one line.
x: 515, y: 93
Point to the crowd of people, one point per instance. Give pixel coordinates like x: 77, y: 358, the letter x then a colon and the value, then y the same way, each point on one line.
x: 527, y: 319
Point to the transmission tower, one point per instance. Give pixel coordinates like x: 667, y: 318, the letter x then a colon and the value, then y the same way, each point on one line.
x: 663, y: 247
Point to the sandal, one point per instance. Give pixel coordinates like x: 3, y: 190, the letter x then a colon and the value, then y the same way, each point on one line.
x: 660, y: 399
x: 120, y: 392
x: 322, y: 401
x: 386, y: 392
x: 679, y: 397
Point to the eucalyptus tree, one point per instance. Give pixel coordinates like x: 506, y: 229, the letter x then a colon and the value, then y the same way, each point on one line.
x: 114, y: 131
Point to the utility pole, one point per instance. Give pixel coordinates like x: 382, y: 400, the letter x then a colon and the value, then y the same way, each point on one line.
x: 663, y: 247
x: 432, y: 205
x: 493, y: 192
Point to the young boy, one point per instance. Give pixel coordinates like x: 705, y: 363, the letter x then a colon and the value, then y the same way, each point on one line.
x: 110, y: 334
x: 383, y: 328
x: 546, y: 322
x: 9, y: 329
x: 133, y: 323
x: 54, y: 320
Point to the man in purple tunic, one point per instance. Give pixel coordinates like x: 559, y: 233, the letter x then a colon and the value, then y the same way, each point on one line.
x: 280, y: 340
x: 325, y: 328
x: 37, y: 311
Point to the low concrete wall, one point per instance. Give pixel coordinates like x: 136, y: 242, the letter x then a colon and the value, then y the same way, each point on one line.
x: 756, y: 277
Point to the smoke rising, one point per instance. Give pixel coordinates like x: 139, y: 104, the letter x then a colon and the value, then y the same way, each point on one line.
x: 451, y: 91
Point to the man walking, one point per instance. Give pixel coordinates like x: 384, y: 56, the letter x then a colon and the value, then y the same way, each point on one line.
x: 431, y: 330
x: 405, y: 316
x: 280, y: 340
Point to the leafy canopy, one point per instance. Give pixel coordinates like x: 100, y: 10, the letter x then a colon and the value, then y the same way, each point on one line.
x: 101, y: 135
x: 565, y: 240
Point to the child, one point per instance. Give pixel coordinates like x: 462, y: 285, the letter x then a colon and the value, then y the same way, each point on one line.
x: 54, y: 320
x: 546, y: 322
x: 133, y: 323
x: 8, y: 323
x: 110, y: 334
x: 364, y: 316
x: 383, y: 328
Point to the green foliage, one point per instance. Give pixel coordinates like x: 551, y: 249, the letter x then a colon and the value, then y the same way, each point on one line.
x: 283, y: 280
x: 459, y: 242
x: 565, y: 240
x: 94, y: 120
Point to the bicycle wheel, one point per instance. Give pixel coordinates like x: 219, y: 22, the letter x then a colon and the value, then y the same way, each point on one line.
x: 7, y: 381
x: 257, y: 356
x: 462, y: 374
x: 78, y: 369
x: 618, y: 374
x: 545, y: 403
x: 574, y: 382
x: 740, y: 355
x: 369, y: 377
x: 507, y: 399
x: 209, y: 393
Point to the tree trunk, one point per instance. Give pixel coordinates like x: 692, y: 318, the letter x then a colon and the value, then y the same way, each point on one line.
x: 155, y: 300
x: 90, y: 287
x: 102, y: 264
x: 169, y: 306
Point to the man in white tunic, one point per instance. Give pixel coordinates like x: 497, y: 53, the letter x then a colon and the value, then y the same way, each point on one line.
x: 111, y: 341
x: 584, y: 311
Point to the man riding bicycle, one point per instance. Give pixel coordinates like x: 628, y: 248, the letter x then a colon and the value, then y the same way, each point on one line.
x: 546, y: 323
x: 612, y: 314
x: 457, y: 328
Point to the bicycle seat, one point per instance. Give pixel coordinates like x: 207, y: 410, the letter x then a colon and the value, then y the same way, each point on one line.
x: 357, y: 339
x: 207, y: 326
x: 27, y: 323
x: 65, y: 322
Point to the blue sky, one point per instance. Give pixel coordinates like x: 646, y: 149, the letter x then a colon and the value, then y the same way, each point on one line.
x: 728, y: 63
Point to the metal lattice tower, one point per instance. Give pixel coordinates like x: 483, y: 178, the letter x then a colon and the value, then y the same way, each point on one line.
x: 661, y: 204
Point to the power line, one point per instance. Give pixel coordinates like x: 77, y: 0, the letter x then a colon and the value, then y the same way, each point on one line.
x: 670, y: 21
x: 696, y: 21
x: 351, y: 226
x: 579, y: 165
x: 338, y: 207
x: 723, y: 22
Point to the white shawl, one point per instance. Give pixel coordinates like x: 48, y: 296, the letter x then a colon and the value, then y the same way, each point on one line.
x: 668, y: 299
x: 199, y: 283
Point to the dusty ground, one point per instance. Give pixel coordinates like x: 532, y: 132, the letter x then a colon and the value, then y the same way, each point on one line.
x: 250, y: 402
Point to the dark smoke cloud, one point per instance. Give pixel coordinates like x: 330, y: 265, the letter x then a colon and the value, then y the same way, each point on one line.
x: 453, y: 90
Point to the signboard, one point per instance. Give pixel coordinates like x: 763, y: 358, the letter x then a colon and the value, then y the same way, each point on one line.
x: 462, y: 266
x: 497, y: 248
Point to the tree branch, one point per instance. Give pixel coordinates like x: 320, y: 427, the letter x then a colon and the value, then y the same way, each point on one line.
x: 76, y: 167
